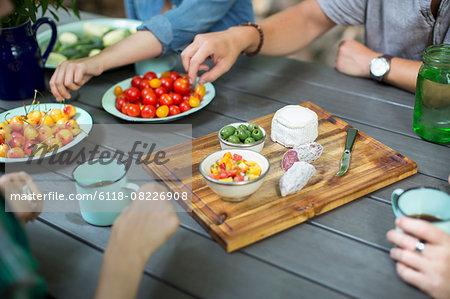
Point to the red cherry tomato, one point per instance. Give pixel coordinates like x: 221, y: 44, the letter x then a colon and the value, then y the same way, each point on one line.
x: 150, y: 99
x: 176, y: 98
x: 165, y: 99
x: 133, y: 94
x: 150, y: 75
x: 186, y: 98
x: 165, y: 74
x: 185, y: 76
x: 120, y: 103
x: 184, y: 106
x: 160, y: 91
x: 146, y: 91
x: 136, y: 81
x: 148, y: 111
x: 167, y: 82
x: 133, y: 110
x: 145, y: 83
x: 174, y: 110
x: 181, y: 86
x: 124, y: 109
x: 120, y: 96
x: 174, y: 75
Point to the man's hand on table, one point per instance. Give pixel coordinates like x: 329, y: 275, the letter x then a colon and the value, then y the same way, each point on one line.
x: 72, y: 74
x: 353, y: 58
x: 20, y: 183
x: 142, y: 228
x: 428, y: 270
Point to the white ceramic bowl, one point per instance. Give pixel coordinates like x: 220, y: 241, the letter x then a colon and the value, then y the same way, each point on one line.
x: 255, y: 146
x: 234, y: 191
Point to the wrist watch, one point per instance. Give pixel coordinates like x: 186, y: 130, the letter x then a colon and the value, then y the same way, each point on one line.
x: 379, y: 67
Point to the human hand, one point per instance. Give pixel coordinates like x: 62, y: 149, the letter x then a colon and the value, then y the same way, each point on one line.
x: 354, y: 58
x: 428, y: 270
x: 143, y: 226
x: 72, y: 74
x: 224, y: 47
x: 19, y: 183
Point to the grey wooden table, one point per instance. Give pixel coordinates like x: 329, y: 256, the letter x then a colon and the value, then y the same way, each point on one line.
x: 343, y: 253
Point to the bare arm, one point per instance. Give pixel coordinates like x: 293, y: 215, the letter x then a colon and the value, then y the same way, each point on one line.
x: 284, y: 33
x: 73, y: 74
x: 403, y: 73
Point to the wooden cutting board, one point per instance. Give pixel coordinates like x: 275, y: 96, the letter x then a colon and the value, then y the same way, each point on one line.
x: 235, y: 225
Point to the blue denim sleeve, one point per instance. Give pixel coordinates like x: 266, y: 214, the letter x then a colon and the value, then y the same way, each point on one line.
x: 178, y: 27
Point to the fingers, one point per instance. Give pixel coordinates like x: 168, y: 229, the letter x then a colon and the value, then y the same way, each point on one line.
x: 412, y: 276
x: 402, y: 240
x: 68, y: 76
x: 197, y: 59
x: 421, y: 229
x: 408, y: 258
x: 187, y: 54
x: 213, y: 74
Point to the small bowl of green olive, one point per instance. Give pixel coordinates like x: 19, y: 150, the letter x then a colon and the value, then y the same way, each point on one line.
x: 242, y: 136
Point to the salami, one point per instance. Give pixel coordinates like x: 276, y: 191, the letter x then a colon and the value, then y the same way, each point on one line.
x: 309, y: 152
x: 296, y: 178
x: 289, y: 158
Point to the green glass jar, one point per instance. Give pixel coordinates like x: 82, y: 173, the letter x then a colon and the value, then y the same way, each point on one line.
x: 432, y: 106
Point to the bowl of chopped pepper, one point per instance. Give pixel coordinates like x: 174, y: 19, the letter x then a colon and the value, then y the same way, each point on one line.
x: 234, y: 174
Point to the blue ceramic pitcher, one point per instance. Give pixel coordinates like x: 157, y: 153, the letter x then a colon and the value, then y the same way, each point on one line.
x: 21, y: 63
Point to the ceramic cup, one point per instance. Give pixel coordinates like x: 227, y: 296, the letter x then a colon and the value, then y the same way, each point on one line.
x: 157, y: 65
x: 426, y: 201
x: 103, y: 190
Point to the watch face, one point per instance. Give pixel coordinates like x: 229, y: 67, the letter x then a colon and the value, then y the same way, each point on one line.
x: 379, y: 66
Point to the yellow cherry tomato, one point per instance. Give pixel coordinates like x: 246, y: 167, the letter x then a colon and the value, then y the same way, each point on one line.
x: 155, y: 83
x: 162, y: 111
x: 200, y: 90
x: 118, y: 90
x: 194, y: 101
x: 3, y: 150
x: 165, y: 74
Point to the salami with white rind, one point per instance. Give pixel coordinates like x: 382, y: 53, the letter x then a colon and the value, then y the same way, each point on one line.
x: 309, y: 152
x: 296, y: 178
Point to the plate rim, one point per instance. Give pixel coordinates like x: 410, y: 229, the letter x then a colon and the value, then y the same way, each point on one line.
x: 110, y: 107
x: 60, y: 150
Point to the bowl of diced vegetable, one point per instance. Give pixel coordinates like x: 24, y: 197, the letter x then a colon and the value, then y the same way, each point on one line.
x: 242, y: 136
x: 85, y: 38
x: 234, y: 174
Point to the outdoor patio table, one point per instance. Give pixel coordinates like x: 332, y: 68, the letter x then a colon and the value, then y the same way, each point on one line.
x: 343, y: 253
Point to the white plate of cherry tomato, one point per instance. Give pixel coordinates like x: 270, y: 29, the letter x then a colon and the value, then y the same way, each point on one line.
x: 23, y: 128
x: 156, y: 98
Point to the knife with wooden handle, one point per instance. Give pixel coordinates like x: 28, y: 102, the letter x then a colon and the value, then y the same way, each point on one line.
x: 345, y: 160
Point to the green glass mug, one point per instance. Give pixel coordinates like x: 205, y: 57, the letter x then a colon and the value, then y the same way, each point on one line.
x: 425, y: 203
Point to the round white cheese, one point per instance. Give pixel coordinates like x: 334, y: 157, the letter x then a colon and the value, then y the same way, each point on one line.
x: 294, y: 125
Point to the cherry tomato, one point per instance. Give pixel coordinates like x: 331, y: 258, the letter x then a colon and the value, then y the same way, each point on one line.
x: 118, y: 90
x: 150, y: 75
x: 149, y: 99
x: 165, y: 74
x: 174, y: 75
x: 184, y: 106
x: 194, y: 101
x: 165, y: 99
x: 167, y: 82
x: 155, y: 83
x: 186, y: 98
x: 121, y: 96
x: 160, y: 91
x: 176, y: 98
x: 145, y: 83
x: 125, y: 109
x: 120, y: 103
x: 146, y: 91
x: 200, y: 90
x: 162, y: 111
x: 133, y: 94
x: 185, y: 76
x: 136, y: 81
x: 174, y: 110
x: 133, y: 110
x: 148, y: 111
x: 181, y: 86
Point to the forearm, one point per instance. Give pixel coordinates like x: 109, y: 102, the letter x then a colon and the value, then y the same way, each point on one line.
x: 120, y: 274
x: 138, y: 46
x: 403, y: 73
x: 291, y: 29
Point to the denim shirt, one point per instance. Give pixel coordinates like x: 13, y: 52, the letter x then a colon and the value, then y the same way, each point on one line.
x: 177, y: 27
